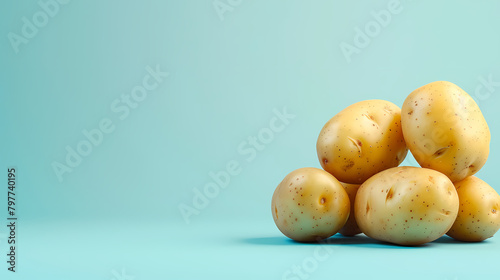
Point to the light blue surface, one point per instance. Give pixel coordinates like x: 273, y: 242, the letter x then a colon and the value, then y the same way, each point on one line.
x: 230, y: 75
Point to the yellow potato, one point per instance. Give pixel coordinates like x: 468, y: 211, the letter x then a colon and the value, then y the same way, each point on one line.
x: 478, y: 217
x: 310, y: 205
x: 406, y: 205
x: 351, y: 227
x: 445, y: 130
x: 362, y: 140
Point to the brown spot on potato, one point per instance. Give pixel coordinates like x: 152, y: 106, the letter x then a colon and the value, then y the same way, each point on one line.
x: 389, y: 195
x: 358, y: 144
x: 370, y: 117
x: 276, y: 212
x: 325, y: 161
x: 449, y: 191
x: 322, y: 201
x: 348, y: 165
x: 440, y: 152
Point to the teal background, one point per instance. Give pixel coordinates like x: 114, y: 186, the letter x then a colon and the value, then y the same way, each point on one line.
x: 119, y: 209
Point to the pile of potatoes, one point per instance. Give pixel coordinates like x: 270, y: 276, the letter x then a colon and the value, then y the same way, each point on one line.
x: 361, y: 189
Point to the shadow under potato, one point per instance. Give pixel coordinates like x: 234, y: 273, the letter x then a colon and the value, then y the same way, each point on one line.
x: 360, y: 240
x: 337, y: 239
x: 449, y: 240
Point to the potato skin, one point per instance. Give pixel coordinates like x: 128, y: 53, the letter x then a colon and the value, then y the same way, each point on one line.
x: 310, y: 205
x: 362, y: 140
x: 351, y: 226
x: 445, y: 130
x: 478, y: 214
x: 406, y: 205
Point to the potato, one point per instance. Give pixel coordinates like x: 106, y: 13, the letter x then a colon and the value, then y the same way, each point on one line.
x: 351, y: 227
x: 310, y: 205
x: 445, y: 130
x: 478, y: 217
x: 362, y: 140
x: 406, y: 205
